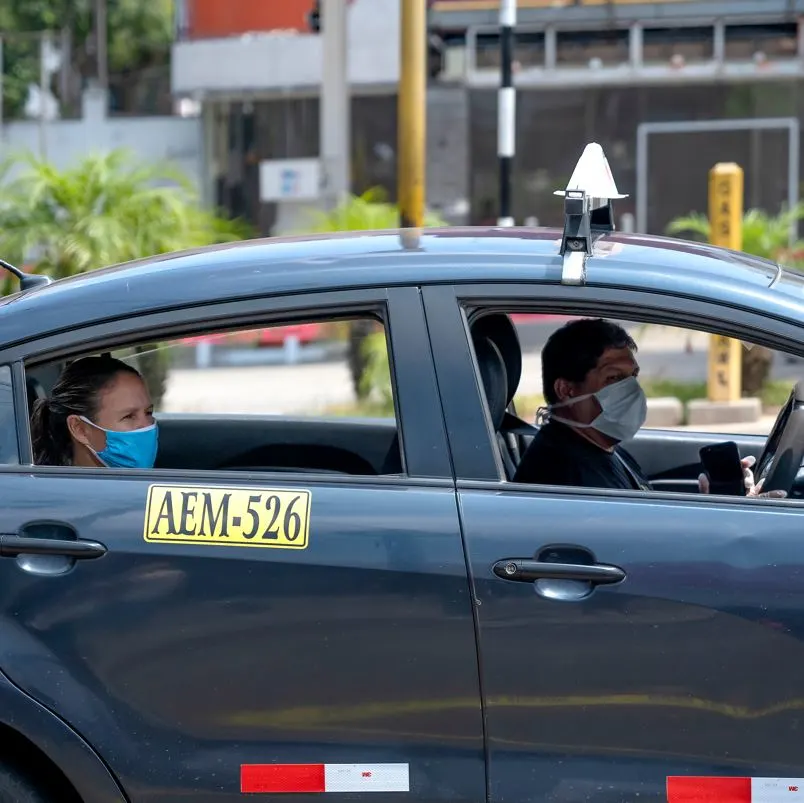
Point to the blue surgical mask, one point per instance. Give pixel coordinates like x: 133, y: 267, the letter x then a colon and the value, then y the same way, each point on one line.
x: 135, y: 448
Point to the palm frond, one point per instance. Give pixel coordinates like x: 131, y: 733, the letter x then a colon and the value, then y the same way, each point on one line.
x: 107, y: 208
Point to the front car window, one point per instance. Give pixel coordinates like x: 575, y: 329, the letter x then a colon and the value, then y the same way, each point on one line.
x: 630, y: 415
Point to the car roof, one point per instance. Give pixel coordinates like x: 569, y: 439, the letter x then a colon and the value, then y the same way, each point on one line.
x: 283, y: 265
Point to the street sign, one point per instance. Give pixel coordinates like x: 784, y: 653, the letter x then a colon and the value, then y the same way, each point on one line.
x: 726, y: 230
x: 290, y: 180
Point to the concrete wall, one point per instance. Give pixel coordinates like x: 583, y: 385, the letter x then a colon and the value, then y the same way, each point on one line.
x: 176, y: 139
x: 271, y: 62
x: 448, y: 187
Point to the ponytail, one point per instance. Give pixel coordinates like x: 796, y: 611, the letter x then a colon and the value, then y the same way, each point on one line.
x: 50, y: 438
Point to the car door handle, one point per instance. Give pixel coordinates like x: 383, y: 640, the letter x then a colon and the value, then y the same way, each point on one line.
x: 13, y: 545
x: 528, y: 570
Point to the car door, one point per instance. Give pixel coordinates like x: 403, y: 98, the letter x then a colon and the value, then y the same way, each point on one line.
x: 345, y: 661
x: 668, y: 642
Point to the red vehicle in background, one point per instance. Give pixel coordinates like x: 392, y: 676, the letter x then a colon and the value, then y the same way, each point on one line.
x: 269, y: 336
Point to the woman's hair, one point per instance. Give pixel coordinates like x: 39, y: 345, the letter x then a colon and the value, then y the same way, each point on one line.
x: 76, y: 393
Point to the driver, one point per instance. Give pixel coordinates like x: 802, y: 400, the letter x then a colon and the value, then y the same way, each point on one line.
x: 594, y: 402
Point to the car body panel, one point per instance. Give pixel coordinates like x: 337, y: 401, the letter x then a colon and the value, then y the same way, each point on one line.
x: 48, y: 734
x: 179, y: 661
x: 688, y: 666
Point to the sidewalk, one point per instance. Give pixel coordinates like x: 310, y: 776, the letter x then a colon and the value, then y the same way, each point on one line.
x: 761, y: 427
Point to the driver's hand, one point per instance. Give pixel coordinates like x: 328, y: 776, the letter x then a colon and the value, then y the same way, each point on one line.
x: 751, y: 488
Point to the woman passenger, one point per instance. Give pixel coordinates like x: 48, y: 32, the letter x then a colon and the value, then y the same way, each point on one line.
x: 99, y: 413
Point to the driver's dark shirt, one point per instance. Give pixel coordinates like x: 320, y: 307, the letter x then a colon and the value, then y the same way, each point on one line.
x: 560, y: 456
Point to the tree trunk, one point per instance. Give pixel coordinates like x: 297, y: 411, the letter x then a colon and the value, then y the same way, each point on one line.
x: 757, y: 364
x: 358, y: 332
x: 153, y: 363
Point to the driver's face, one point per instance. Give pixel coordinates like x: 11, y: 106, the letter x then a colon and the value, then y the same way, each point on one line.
x: 613, y: 366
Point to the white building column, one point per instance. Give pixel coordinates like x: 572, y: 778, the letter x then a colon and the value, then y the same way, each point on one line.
x: 335, y: 110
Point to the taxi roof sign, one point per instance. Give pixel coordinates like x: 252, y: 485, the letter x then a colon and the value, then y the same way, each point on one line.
x: 592, y: 175
x: 588, y: 212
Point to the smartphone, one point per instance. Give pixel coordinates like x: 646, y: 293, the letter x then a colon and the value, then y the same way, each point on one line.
x: 721, y: 462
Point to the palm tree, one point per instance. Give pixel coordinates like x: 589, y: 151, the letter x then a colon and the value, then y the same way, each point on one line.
x: 107, y: 208
x: 370, y: 211
x: 765, y: 236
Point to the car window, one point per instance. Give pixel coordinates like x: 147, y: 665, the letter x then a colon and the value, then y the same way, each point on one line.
x: 674, y: 371
x: 634, y: 415
x: 310, y: 395
x: 329, y: 368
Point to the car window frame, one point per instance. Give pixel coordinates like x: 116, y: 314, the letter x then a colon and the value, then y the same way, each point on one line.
x: 449, y: 308
x: 422, y: 438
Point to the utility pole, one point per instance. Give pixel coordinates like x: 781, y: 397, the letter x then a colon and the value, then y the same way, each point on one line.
x: 335, y: 110
x: 101, y: 44
x: 412, y: 113
x: 506, y: 109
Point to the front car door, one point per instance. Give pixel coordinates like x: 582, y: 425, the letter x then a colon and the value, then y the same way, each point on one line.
x: 689, y: 667
x: 204, y: 671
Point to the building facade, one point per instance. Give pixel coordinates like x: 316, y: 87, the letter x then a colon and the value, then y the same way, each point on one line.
x: 586, y: 70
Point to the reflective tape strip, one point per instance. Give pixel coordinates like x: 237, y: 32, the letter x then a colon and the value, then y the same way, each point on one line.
x: 367, y: 777
x: 734, y: 790
x: 297, y: 778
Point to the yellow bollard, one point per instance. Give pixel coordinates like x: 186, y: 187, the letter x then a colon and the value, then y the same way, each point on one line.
x: 726, y: 230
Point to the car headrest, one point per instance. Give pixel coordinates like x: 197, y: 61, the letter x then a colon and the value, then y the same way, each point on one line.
x: 494, y: 377
x: 500, y: 329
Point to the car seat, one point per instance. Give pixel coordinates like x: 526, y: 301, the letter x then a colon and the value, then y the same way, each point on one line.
x: 500, y: 330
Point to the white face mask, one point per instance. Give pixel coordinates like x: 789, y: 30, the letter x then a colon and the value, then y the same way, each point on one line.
x: 623, y: 409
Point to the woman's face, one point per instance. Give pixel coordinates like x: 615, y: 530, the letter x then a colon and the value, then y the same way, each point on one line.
x: 124, y: 404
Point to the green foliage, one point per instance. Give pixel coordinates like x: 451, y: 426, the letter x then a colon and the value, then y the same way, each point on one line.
x: 370, y: 211
x: 764, y: 235
x: 368, y: 356
x: 376, y: 378
x: 773, y: 393
x: 140, y: 35
x: 106, y: 209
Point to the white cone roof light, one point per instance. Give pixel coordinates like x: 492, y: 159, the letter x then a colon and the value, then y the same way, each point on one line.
x: 593, y: 175
x: 587, y: 211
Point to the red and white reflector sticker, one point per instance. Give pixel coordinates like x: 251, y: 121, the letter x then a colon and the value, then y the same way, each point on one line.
x: 734, y: 790
x: 311, y: 778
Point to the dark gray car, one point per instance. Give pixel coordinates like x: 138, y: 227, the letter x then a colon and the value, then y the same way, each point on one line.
x: 445, y: 634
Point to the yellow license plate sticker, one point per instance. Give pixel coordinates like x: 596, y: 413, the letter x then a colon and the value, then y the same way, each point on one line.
x: 259, y: 517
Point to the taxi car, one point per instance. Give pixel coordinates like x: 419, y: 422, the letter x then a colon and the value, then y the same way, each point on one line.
x: 419, y: 626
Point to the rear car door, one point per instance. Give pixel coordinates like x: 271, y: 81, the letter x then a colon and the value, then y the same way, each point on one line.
x: 343, y: 661
x: 600, y: 692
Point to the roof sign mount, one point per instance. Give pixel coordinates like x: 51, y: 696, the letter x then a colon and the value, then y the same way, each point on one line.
x: 588, y: 211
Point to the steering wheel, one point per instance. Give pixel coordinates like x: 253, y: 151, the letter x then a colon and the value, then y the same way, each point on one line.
x: 781, y: 458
